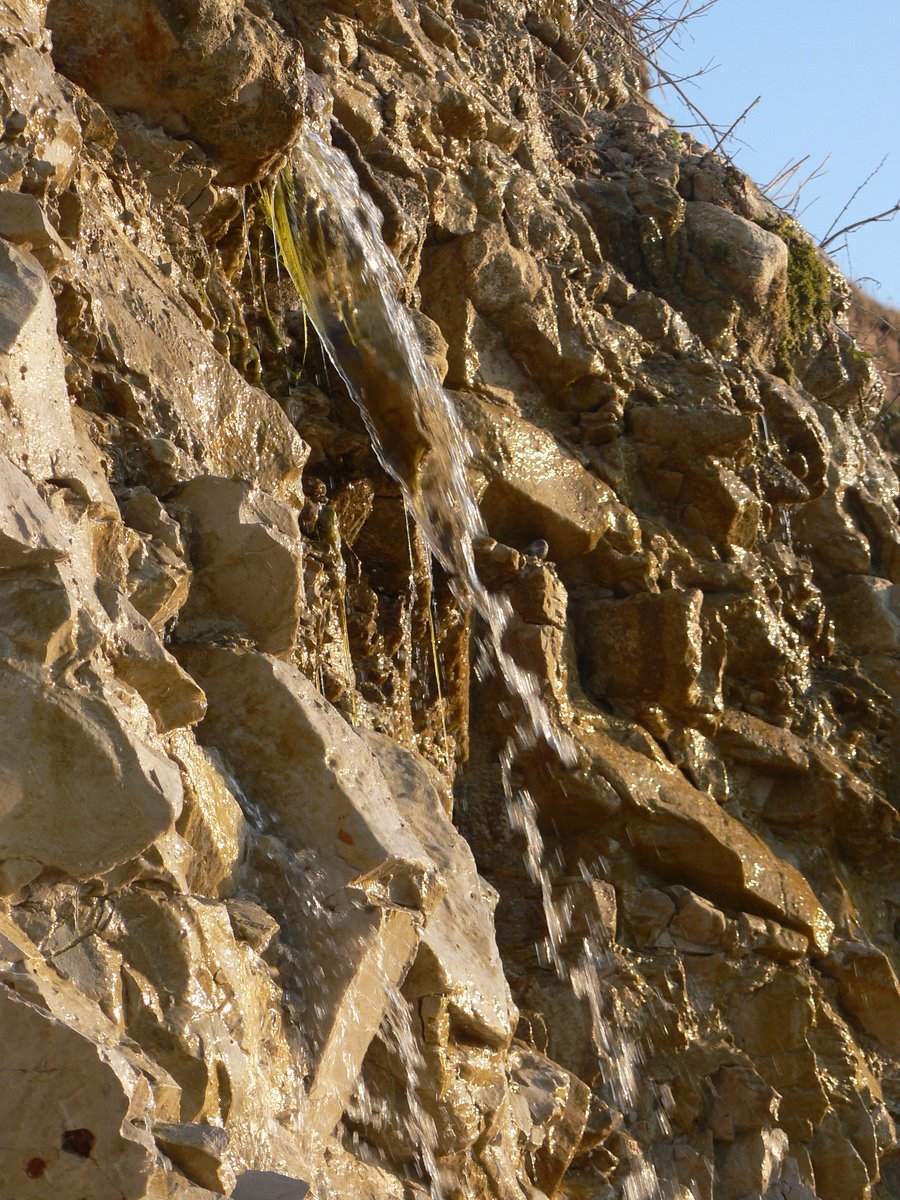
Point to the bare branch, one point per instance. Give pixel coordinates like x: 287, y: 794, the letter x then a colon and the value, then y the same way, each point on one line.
x: 731, y: 128
x: 868, y: 179
x: 887, y: 215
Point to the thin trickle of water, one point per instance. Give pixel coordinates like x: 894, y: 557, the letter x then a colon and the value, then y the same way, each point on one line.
x: 350, y: 283
x: 408, y: 1117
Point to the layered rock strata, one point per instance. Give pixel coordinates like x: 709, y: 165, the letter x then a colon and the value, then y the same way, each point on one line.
x: 267, y: 928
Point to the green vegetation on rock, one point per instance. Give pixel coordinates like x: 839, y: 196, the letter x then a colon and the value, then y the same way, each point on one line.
x: 808, y: 297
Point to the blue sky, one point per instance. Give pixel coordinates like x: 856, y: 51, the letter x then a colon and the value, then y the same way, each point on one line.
x: 828, y: 73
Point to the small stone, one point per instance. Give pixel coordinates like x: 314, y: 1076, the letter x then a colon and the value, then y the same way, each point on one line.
x: 268, y: 1185
x: 200, y: 1151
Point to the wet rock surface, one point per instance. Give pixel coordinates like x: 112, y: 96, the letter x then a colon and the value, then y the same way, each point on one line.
x: 284, y: 911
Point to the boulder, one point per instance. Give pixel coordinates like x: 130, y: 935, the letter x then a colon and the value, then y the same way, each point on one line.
x: 36, y: 425
x: 80, y: 792
x: 213, y: 71
x: 43, y: 151
x: 535, y: 489
x: 684, y: 835
x: 139, y: 659
x: 189, y: 410
x: 268, y: 1185
x: 318, y: 787
x: 24, y: 222
x: 247, y: 560
x: 211, y: 820
x: 458, y: 957
x: 200, y: 1151
x: 645, y: 649
x: 30, y: 534
x: 68, y: 1111
x: 868, y: 989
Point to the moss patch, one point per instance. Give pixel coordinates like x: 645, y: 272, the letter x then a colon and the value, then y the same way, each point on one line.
x: 808, y: 291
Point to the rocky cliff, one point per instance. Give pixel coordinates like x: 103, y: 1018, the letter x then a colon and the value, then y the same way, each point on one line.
x: 289, y: 901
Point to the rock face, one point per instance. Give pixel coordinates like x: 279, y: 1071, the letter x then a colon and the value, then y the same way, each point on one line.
x: 290, y: 903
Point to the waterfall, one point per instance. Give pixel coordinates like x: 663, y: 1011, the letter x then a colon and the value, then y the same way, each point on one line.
x: 330, y: 242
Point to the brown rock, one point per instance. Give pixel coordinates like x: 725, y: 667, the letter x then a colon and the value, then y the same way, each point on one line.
x: 246, y: 555
x: 219, y: 73
x: 685, y: 835
x: 79, y: 791
x: 748, y: 1165
x: 868, y: 989
x: 644, y: 650
x: 743, y: 1102
x: 535, y: 489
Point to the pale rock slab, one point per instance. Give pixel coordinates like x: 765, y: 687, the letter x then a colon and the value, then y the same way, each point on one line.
x: 139, y: 659
x: 30, y: 534
x: 868, y: 989
x: 204, y: 1005
x: 80, y: 792
x: 35, y: 419
x: 45, y: 153
x: 313, y: 777
x: 751, y: 1163
x: 247, y: 559
x: 320, y: 788
x: 211, y: 820
x: 24, y: 222
x: 268, y: 1185
x: 65, y: 1111
x: 458, y: 957
x: 200, y: 1151
x: 190, y: 395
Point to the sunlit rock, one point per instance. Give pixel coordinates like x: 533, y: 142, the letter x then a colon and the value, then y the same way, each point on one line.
x: 246, y: 556
x: 458, y: 957
x: 221, y: 74
x: 69, y: 809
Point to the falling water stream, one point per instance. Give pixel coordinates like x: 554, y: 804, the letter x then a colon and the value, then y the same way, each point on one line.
x: 331, y: 244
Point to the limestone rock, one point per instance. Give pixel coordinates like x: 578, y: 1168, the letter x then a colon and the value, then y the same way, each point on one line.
x: 200, y: 1151
x: 535, y: 489
x: 46, y: 137
x: 868, y: 988
x: 246, y: 556
x: 458, y: 956
x: 195, y: 414
x: 285, y: 741
x: 35, y: 419
x: 730, y: 264
x: 558, y: 1106
x: 30, y: 534
x: 81, y: 821
x: 268, y: 1185
x: 749, y: 1164
x: 645, y: 649
x: 220, y: 74
x: 24, y: 222
x: 348, y: 817
x: 141, y: 661
x: 688, y: 837
x: 67, y: 1111
x: 211, y: 820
